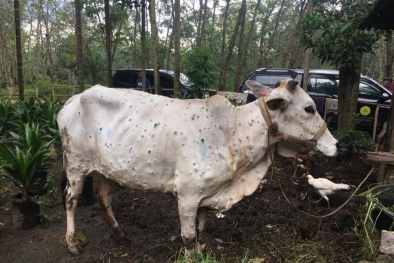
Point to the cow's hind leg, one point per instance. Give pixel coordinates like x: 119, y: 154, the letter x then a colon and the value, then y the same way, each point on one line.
x: 72, y: 192
x: 106, y: 188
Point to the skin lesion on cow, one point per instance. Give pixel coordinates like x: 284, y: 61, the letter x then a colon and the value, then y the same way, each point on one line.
x: 209, y: 167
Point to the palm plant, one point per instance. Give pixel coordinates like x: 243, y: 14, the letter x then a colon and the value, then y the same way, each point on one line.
x: 19, y: 166
x: 49, y: 111
x: 22, y: 162
x: 7, y: 116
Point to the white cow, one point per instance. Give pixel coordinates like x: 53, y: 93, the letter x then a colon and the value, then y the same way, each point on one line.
x: 208, y: 153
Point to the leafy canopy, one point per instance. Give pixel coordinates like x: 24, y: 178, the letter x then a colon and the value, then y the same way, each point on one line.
x: 199, y: 65
x: 332, y: 32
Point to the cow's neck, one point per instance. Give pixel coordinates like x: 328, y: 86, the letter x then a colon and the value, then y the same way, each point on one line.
x: 250, y: 146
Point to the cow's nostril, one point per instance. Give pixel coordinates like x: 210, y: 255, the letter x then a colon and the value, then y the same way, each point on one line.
x: 337, y: 145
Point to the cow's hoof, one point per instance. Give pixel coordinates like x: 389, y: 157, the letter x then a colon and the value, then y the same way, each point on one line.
x: 118, y: 234
x: 189, y: 252
x: 75, y: 250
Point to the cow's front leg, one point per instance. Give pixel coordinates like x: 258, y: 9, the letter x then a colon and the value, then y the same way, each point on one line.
x: 188, y: 219
x: 73, y: 190
x: 106, y: 188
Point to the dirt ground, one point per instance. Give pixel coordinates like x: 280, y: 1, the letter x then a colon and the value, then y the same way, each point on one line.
x: 263, y: 227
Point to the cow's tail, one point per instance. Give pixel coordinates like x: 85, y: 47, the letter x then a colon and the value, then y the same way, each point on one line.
x: 63, y: 183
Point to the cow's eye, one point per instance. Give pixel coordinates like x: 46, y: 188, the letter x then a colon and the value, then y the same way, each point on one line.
x: 310, y: 109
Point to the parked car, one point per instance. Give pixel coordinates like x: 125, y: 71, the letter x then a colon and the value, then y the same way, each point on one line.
x: 127, y: 78
x: 324, y: 84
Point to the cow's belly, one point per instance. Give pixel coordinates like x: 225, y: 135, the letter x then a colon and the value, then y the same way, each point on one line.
x: 241, y: 185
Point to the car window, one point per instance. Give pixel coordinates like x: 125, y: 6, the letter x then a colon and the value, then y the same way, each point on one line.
x: 166, y: 82
x: 267, y: 80
x: 368, y: 92
x: 324, y: 85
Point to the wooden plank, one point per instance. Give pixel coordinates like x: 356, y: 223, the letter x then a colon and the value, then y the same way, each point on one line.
x: 381, y: 157
x: 375, y: 123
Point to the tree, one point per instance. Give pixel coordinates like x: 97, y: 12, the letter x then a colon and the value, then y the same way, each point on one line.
x: 177, y: 47
x: 199, y: 65
x: 223, y: 72
x: 108, y: 38
x: 155, y: 43
x: 331, y: 30
x: 78, y: 32
x: 18, y: 43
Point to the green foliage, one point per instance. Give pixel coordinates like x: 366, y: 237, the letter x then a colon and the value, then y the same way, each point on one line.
x: 27, y: 111
x: 199, y: 65
x: 331, y: 30
x: 19, y: 164
x: 183, y: 96
x: 31, y: 136
x: 50, y: 109
x: 368, y: 222
x: 7, y: 116
x: 195, y: 258
x: 354, y: 139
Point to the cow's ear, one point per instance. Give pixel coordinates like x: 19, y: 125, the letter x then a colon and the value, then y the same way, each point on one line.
x: 258, y: 89
x: 276, y: 103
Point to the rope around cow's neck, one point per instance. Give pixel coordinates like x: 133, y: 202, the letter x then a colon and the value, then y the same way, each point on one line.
x: 305, y: 213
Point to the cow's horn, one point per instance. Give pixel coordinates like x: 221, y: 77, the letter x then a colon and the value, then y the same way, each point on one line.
x: 292, y: 84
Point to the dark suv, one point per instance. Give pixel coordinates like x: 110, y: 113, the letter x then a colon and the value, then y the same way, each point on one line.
x: 127, y: 78
x: 373, y: 98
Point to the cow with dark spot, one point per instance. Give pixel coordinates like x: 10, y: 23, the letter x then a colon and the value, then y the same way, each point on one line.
x: 209, y: 153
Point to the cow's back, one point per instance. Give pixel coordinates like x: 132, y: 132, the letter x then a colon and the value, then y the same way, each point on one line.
x: 140, y: 139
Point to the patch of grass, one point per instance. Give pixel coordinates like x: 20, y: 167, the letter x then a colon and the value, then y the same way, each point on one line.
x: 199, y: 257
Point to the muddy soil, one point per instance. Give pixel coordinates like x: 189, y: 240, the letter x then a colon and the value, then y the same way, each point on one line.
x: 263, y: 227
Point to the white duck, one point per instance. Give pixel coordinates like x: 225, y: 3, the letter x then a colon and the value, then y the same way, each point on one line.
x: 325, y: 187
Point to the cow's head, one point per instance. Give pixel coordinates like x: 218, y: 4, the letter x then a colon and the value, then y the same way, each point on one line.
x: 295, y: 113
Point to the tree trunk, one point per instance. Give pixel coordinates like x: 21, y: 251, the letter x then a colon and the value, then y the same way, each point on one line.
x: 78, y: 32
x: 136, y: 25
x: 245, y: 49
x: 18, y: 44
x: 203, y: 22
x: 223, y: 49
x: 349, y: 82
x: 215, y: 3
x: 108, y: 42
x: 241, y: 48
x: 388, y: 69
x: 177, y: 47
x: 37, y: 50
x: 272, y: 38
x: 171, y: 40
x: 198, y: 37
x: 262, y: 38
x: 307, y: 59
x: 291, y: 48
x: 223, y: 70
x: 8, y: 67
x: 143, y: 45
x: 307, y: 55
x: 155, y: 40
x: 48, y: 43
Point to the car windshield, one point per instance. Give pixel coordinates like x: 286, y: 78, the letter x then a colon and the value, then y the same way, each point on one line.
x: 183, y: 78
x: 377, y: 83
